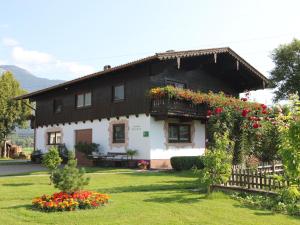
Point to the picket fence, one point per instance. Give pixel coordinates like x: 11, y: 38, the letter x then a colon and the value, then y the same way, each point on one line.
x: 261, y: 178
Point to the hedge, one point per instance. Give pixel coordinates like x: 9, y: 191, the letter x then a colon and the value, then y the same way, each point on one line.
x: 187, y: 162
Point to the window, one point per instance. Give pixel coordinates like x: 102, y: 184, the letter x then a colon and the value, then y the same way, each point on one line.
x: 118, y: 93
x: 119, y: 133
x: 178, y: 133
x: 84, y: 100
x: 57, y: 105
x: 54, y: 138
x: 177, y: 84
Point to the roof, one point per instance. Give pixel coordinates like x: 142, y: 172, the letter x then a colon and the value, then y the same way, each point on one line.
x: 159, y: 56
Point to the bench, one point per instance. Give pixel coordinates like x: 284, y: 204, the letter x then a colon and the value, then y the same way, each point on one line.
x: 116, y: 155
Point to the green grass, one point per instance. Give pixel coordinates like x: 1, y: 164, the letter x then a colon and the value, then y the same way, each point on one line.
x: 137, y: 198
x: 88, y: 170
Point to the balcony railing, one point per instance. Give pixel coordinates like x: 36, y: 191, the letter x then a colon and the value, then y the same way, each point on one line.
x: 174, y: 107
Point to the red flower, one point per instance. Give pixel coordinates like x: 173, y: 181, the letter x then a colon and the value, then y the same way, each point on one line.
x: 244, y: 99
x: 209, y: 113
x: 218, y: 110
x: 245, y: 112
x: 255, y: 125
x: 263, y: 106
x: 264, y: 111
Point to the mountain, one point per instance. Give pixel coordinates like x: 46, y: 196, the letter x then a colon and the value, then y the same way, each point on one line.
x: 30, y: 83
x: 27, y: 80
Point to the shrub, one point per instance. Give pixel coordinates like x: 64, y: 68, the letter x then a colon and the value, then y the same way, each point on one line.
x: 63, y: 201
x: 70, y: 179
x: 51, y: 160
x: 217, y: 162
x: 275, y: 203
x: 86, y: 148
x: 187, y: 162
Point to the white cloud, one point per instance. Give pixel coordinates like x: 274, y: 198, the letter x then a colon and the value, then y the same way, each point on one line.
x: 44, y: 64
x: 21, y: 55
x: 9, y: 42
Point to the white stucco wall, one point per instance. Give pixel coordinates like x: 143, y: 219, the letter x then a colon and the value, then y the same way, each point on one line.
x: 159, y: 149
x: 152, y: 147
x: 100, y: 134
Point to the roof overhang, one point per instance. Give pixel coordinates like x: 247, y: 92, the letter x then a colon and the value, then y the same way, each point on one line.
x: 157, y: 56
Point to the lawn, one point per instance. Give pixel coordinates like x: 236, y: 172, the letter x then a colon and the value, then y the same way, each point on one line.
x: 137, y: 198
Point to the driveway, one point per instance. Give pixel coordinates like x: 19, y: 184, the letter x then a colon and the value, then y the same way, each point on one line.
x: 20, y: 167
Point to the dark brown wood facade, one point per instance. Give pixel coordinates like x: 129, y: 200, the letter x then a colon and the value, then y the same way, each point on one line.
x: 202, y: 73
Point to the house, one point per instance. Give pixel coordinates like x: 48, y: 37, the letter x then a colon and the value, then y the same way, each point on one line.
x: 111, y: 107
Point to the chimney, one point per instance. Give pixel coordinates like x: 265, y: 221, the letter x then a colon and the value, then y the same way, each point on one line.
x: 106, y: 67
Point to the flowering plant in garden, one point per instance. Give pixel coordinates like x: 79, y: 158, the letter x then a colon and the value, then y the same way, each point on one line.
x: 143, y: 164
x: 70, y: 180
x: 248, y: 123
x: 63, y: 201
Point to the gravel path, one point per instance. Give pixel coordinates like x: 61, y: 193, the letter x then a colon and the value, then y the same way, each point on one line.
x: 19, y: 168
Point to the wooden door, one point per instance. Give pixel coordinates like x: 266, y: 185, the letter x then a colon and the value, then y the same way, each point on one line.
x: 83, y: 136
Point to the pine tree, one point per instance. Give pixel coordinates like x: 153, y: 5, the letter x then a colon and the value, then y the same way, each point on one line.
x: 70, y: 179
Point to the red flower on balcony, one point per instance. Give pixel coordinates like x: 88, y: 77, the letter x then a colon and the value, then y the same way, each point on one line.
x: 218, y: 110
x: 245, y: 112
x: 255, y: 125
x: 209, y: 113
x: 263, y: 106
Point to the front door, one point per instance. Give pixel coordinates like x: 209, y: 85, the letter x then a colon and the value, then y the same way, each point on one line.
x: 83, y: 136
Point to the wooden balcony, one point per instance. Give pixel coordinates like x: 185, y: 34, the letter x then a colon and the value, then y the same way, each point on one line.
x: 167, y: 107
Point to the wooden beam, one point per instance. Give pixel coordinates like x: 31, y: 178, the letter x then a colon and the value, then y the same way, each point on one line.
x: 178, y: 62
x: 215, y: 57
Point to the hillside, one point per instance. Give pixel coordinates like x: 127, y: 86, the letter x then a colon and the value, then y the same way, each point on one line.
x: 27, y: 80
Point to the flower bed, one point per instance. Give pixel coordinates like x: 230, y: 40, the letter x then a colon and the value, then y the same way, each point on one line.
x: 63, y: 201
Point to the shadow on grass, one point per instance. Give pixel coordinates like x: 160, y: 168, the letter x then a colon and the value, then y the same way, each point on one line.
x: 182, y: 196
x: 170, y: 173
x: 26, y: 206
x: 18, y: 184
x: 165, y: 186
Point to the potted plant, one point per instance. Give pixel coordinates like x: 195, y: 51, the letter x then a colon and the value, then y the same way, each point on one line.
x: 130, y: 153
x: 143, y: 164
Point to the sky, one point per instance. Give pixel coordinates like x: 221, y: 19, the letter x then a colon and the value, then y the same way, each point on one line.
x: 64, y: 39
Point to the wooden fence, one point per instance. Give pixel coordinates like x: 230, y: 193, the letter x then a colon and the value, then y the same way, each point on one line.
x: 260, y: 178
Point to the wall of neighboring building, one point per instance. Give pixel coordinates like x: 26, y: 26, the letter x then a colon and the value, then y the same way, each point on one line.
x: 162, y: 151
x: 102, y: 134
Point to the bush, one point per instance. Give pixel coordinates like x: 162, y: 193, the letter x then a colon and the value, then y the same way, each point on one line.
x: 86, y: 148
x: 51, y: 160
x: 187, y: 162
x: 279, y: 203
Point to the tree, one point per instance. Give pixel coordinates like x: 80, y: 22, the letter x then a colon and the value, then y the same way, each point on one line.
x: 286, y: 74
x: 12, y: 113
x: 289, y: 147
x: 51, y: 160
x: 70, y: 179
x: 217, y: 162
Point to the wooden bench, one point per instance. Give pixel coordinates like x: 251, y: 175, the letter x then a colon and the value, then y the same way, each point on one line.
x: 112, y: 159
x: 116, y: 155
